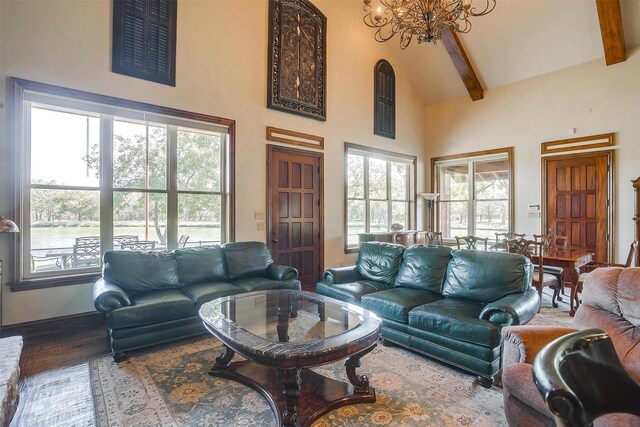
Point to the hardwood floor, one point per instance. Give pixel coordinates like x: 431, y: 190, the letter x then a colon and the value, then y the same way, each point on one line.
x: 58, y: 343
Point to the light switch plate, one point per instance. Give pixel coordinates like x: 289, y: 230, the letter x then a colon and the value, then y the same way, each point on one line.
x: 260, y: 225
x: 258, y: 215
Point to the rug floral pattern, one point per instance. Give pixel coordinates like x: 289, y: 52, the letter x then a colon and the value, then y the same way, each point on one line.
x: 170, y: 386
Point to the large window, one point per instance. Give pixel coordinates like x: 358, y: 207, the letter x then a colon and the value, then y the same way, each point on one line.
x: 475, y: 193
x: 98, y: 174
x: 379, y: 189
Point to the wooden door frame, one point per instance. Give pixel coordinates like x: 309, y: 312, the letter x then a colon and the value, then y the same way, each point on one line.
x: 610, y: 188
x: 271, y: 148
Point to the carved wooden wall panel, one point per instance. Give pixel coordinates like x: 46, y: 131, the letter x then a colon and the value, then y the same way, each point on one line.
x: 297, y: 57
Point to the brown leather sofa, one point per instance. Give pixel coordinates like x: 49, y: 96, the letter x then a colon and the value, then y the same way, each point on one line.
x: 611, y: 302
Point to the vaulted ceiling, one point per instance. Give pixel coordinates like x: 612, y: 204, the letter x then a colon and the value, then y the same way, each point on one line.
x: 520, y: 39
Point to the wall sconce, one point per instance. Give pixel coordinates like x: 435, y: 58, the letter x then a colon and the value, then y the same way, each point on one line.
x: 8, y: 226
x: 430, y: 198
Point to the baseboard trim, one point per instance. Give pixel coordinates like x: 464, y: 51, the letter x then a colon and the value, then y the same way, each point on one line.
x: 54, y: 325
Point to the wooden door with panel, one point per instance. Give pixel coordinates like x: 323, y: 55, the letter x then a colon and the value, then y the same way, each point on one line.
x: 295, y: 207
x: 577, y: 202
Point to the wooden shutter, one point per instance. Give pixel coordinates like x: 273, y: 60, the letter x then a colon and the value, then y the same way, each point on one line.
x: 144, y: 39
x: 385, y: 100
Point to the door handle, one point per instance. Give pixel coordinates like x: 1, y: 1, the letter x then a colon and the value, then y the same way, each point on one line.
x: 274, y: 239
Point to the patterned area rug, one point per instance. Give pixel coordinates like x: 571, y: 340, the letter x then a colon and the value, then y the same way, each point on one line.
x: 169, y: 386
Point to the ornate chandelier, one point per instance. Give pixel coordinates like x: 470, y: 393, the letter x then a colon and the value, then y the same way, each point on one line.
x: 422, y: 19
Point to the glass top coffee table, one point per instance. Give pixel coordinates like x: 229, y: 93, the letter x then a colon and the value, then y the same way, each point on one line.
x: 282, y: 333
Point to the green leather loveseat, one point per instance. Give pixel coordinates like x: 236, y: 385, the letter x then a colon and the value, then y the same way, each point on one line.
x: 448, y: 304
x: 154, y: 297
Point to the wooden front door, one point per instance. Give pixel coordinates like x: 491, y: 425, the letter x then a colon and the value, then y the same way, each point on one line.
x: 294, y: 216
x: 578, y: 200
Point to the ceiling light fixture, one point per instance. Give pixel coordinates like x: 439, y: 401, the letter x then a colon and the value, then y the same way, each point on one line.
x: 422, y: 19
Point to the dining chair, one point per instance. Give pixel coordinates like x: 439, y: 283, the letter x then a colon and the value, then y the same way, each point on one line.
x: 471, y: 242
x: 501, y: 238
x: 86, y: 252
x: 119, y: 239
x: 633, y: 254
x: 434, y: 238
x: 529, y: 249
x: 139, y: 245
x: 552, y: 243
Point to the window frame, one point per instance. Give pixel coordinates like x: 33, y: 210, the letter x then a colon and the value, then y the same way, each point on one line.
x: 471, y: 159
x: 376, y: 153
x: 22, y: 93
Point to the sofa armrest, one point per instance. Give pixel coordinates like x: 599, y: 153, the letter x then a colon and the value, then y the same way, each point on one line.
x: 341, y: 275
x: 512, y: 309
x: 281, y: 272
x: 108, y: 297
x: 520, y: 344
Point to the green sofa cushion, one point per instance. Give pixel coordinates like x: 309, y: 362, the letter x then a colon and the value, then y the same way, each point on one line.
x: 456, y: 319
x: 396, y: 303
x: 250, y: 284
x: 201, y: 264
x: 139, y: 272
x: 484, y: 276
x: 207, y: 291
x: 246, y: 259
x: 350, y: 292
x: 379, y: 261
x: 424, y: 267
x: 152, y: 307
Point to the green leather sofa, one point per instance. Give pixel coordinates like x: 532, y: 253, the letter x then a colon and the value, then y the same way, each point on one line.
x: 448, y: 304
x: 154, y: 297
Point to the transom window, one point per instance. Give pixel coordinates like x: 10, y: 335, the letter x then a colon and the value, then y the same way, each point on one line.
x: 97, y: 176
x: 379, y: 191
x: 475, y: 193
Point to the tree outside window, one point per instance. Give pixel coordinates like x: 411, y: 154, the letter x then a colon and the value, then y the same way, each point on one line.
x: 475, y: 194
x: 95, y: 170
x: 379, y: 191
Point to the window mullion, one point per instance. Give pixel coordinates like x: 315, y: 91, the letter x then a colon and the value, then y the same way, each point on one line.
x: 471, y: 209
x: 367, y: 208
x: 224, y: 193
x: 172, y: 187
x: 106, y: 182
x: 389, y: 203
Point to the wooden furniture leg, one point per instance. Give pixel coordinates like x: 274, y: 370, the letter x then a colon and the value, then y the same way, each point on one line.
x: 572, y: 277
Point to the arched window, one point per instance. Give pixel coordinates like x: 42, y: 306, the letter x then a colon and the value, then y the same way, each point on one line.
x: 385, y: 100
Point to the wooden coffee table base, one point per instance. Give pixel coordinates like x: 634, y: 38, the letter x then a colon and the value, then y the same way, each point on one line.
x: 317, y: 393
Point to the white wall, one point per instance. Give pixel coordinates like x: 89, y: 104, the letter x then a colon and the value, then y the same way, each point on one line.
x: 591, y: 97
x: 221, y: 70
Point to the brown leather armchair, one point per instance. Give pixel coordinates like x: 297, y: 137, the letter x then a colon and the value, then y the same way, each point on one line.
x: 611, y: 302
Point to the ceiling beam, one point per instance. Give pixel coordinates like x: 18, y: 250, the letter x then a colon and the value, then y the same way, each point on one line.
x: 463, y: 65
x: 611, y: 29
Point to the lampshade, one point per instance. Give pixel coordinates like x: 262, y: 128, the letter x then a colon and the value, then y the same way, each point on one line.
x: 430, y: 196
x: 8, y: 226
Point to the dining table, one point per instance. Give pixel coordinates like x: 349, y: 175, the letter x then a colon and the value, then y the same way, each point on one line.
x: 570, y: 262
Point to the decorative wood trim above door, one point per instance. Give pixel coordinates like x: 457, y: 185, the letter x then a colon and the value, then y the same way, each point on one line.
x: 294, y: 138
x: 582, y: 143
